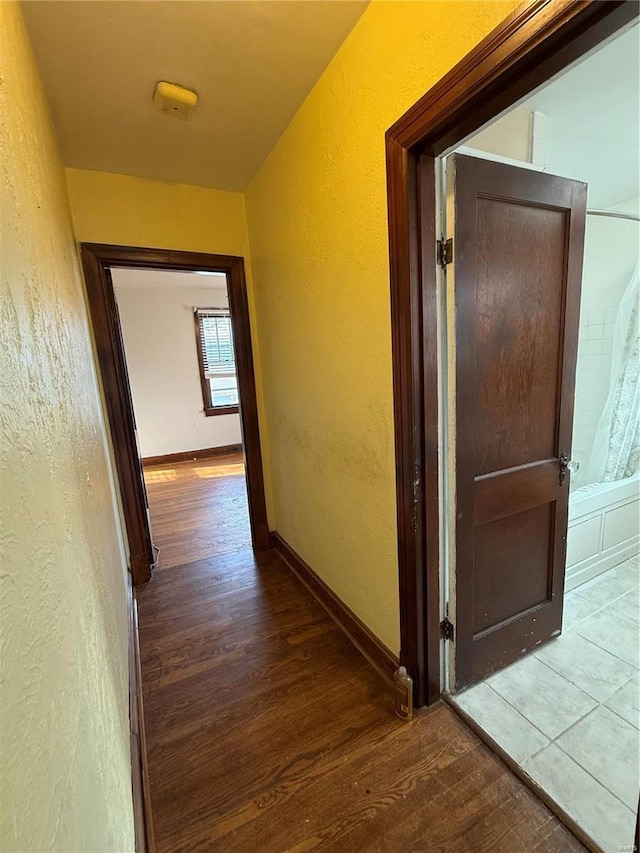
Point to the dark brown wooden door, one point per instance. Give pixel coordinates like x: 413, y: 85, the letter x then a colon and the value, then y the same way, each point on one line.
x: 517, y: 266
x: 140, y: 562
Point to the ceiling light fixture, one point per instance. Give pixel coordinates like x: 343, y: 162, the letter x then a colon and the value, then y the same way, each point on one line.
x: 174, y: 100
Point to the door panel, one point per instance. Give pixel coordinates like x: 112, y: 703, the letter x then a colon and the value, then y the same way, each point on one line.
x: 528, y: 573
x: 517, y: 267
x: 517, y: 344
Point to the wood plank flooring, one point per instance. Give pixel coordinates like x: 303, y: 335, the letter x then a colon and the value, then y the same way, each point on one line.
x: 268, y: 732
x: 198, y: 508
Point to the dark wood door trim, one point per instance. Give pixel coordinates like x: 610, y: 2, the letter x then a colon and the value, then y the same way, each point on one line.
x: 535, y: 42
x: 96, y: 260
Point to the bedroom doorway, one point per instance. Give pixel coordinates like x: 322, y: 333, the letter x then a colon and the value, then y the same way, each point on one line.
x: 101, y: 263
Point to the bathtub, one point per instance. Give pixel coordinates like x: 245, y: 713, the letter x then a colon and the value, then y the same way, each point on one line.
x: 604, y: 528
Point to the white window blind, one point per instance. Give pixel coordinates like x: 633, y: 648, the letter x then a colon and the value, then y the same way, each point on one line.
x: 216, y: 343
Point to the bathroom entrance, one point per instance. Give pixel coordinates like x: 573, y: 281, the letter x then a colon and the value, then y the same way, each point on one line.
x: 539, y: 322
x: 553, y: 91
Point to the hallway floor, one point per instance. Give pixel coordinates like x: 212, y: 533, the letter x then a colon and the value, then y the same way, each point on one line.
x: 268, y: 732
x: 569, y: 713
x: 198, y: 508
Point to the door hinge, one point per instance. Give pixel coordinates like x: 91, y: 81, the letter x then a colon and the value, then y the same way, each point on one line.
x: 445, y: 252
x: 446, y: 630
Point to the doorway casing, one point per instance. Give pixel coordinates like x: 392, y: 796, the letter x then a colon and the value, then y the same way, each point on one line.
x: 97, y: 259
x: 535, y: 42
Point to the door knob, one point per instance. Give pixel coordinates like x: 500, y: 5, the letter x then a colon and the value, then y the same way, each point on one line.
x: 567, y: 464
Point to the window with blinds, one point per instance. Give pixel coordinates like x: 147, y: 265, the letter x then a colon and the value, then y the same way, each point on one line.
x: 214, y: 337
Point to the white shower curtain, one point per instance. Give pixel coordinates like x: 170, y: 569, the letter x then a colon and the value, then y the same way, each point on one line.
x: 616, y: 447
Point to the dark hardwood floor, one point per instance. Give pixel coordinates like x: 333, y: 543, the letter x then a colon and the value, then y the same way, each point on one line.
x: 268, y: 732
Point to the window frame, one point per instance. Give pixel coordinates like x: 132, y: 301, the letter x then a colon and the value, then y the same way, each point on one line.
x: 209, y: 409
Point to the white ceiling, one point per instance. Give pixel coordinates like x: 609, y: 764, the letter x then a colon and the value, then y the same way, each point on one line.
x: 592, y: 124
x: 251, y: 62
x: 138, y: 279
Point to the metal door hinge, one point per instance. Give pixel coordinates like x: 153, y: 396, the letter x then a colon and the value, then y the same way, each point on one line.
x: 446, y: 630
x: 445, y: 252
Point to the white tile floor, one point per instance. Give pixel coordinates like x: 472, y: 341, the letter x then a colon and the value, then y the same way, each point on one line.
x: 570, y: 712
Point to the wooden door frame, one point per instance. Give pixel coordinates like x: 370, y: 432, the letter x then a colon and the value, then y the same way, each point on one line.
x: 535, y: 42
x: 97, y: 258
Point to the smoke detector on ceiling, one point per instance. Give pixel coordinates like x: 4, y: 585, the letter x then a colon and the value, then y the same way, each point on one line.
x: 174, y: 100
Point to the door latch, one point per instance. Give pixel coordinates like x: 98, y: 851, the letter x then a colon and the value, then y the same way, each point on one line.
x: 567, y: 464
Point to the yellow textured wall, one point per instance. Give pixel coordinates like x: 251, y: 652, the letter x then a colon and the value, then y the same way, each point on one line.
x: 128, y: 211
x: 108, y: 208
x: 64, y: 720
x: 318, y: 229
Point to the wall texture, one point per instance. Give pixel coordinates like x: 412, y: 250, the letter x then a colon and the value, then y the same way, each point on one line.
x: 121, y: 209
x: 129, y: 211
x: 64, y: 721
x: 160, y: 345
x: 317, y: 224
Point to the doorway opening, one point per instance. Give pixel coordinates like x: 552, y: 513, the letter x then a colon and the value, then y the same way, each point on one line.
x: 544, y: 514
x: 174, y: 350
x: 482, y: 522
x: 179, y: 350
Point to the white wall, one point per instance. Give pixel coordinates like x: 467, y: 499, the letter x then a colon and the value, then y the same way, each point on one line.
x: 156, y: 315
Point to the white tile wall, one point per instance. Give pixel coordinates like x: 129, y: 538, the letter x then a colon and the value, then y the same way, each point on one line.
x: 595, y: 344
x: 611, y: 252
